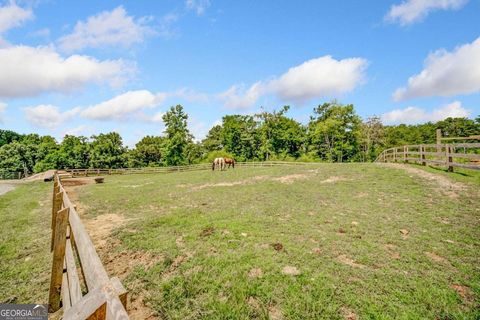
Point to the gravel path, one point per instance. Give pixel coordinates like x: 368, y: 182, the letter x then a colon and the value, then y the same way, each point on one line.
x: 4, y: 188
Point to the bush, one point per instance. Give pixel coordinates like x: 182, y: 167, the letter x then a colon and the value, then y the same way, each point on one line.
x: 217, y: 154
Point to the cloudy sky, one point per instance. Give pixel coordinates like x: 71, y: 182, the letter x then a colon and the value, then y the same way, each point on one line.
x: 84, y: 67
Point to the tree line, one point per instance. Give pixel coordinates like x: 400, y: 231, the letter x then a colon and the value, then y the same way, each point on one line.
x: 334, y: 133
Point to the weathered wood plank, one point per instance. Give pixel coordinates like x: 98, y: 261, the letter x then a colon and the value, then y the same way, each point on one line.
x: 66, y: 301
x: 58, y: 260
x: 73, y: 279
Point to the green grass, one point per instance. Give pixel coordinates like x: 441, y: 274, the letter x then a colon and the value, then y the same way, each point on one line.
x: 25, y: 243
x: 322, y: 227
x: 343, y: 235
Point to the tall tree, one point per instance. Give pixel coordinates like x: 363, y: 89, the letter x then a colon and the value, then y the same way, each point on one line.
x: 333, y: 132
x: 372, y: 138
x: 107, y: 151
x: 279, y: 135
x: 213, y: 140
x: 177, y: 135
x: 240, y: 136
x: 148, y: 152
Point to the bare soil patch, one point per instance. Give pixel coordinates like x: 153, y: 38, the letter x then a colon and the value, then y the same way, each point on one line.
x: 289, y: 179
x: 443, y: 184
x: 349, y: 262
x: 464, y: 292
x: 334, y: 179
x: 290, y: 271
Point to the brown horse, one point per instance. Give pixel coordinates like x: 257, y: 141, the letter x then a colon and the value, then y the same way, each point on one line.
x: 230, y: 162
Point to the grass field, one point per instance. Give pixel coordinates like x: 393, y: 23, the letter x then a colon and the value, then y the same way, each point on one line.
x: 332, y: 241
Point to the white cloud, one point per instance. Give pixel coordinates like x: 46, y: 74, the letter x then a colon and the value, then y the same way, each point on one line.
x: 123, y: 105
x: 411, y: 11
x: 412, y: 115
x: 28, y: 71
x: 107, y: 29
x: 12, y: 16
x: 48, y: 116
x: 190, y: 95
x: 446, y: 74
x: 41, y: 33
x: 81, y: 130
x: 236, y: 97
x: 3, y: 107
x: 199, y: 6
x: 320, y: 77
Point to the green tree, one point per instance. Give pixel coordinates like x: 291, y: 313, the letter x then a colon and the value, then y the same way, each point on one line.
x: 107, y: 151
x: 240, y: 137
x: 279, y: 135
x: 177, y: 136
x: 213, y: 140
x: 333, y: 132
x: 148, y: 152
x: 8, y: 136
x: 372, y: 138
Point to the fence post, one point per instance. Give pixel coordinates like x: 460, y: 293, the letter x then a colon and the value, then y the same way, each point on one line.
x: 56, y: 207
x: 449, y: 157
x: 394, y: 154
x: 405, y: 150
x: 60, y: 234
x: 422, y: 155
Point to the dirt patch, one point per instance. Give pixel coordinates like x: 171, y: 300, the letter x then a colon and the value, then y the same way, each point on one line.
x: 277, y: 246
x: 436, y: 257
x: 4, y: 188
x: 289, y: 179
x: 290, y: 271
x: 463, y: 292
x: 207, y: 232
x: 347, y: 314
x: 334, y: 179
x: 251, y: 180
x: 77, y: 182
x: 255, y: 273
x: 404, y: 233
x: 274, y: 313
x: 349, y: 262
x: 443, y: 184
x: 100, y: 227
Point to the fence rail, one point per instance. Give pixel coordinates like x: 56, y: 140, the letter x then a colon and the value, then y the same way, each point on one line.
x: 460, y: 155
x: 193, y: 167
x: 95, y: 297
x: 11, y: 175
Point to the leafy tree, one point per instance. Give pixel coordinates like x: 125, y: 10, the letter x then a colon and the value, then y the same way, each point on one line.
x: 8, y: 136
x: 107, y: 151
x: 148, y: 152
x: 15, y: 156
x: 279, y: 135
x: 240, y: 137
x: 333, y: 132
x: 213, y: 140
x: 458, y: 127
x: 372, y: 138
x: 177, y: 136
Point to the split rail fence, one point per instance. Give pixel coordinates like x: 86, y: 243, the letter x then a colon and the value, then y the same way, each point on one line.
x: 95, y: 297
x: 459, y: 155
x: 193, y: 167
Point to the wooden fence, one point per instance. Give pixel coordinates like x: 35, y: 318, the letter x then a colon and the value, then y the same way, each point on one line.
x: 11, y: 175
x: 95, y: 297
x: 193, y: 167
x: 460, y: 155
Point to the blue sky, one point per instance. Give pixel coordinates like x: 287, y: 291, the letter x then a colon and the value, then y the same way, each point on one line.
x: 84, y: 67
